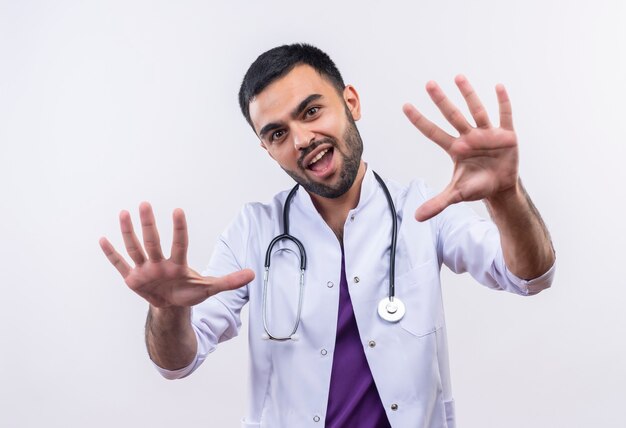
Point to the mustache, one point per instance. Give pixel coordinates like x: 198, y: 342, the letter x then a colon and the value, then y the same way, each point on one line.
x: 314, y: 145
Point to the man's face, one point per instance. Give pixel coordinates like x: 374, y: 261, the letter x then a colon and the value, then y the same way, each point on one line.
x: 309, y: 129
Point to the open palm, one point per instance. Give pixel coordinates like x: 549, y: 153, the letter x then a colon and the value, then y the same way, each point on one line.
x: 485, y: 157
x: 165, y: 282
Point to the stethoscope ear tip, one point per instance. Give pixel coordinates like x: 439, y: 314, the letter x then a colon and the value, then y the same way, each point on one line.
x: 265, y: 336
x: 295, y: 337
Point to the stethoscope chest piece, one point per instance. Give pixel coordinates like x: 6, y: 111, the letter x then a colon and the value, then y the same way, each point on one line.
x: 391, y: 309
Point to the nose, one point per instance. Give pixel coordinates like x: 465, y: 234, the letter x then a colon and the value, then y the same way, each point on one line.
x: 302, y: 137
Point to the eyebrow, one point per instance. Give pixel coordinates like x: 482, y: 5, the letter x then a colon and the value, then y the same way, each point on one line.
x: 294, y: 113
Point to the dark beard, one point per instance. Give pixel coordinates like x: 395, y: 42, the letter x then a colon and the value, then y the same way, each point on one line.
x: 347, y: 175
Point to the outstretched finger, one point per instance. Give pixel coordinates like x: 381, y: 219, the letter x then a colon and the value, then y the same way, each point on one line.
x: 449, y: 110
x: 114, y: 257
x: 434, y: 206
x: 474, y: 104
x: 426, y: 127
x: 180, y: 241
x: 504, y: 104
x: 133, y: 247
x: 231, y: 281
x: 150, y: 233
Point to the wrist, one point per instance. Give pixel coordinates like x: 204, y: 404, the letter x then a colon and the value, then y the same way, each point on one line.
x: 507, y: 199
x: 170, y: 338
x: 171, y: 315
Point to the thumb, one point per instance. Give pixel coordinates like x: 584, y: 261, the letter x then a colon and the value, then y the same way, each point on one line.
x: 435, y: 205
x: 231, y: 281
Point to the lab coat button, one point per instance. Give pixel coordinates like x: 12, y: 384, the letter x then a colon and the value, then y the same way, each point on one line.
x: 316, y: 418
x: 323, y: 352
x: 356, y: 279
x: 330, y: 284
x: 394, y: 406
x: 352, y: 217
x: 372, y: 343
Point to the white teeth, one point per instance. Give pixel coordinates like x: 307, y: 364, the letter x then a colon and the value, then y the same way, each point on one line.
x: 318, y: 157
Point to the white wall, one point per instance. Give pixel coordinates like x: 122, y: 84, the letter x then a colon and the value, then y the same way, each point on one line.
x: 106, y: 104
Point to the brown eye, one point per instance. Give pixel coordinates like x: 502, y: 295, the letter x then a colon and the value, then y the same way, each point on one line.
x: 312, y: 111
x: 276, y: 135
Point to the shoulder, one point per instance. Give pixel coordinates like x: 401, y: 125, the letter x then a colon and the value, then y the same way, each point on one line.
x: 408, y: 197
x: 249, y: 230
x: 262, y: 211
x: 255, y: 215
x: 414, y: 190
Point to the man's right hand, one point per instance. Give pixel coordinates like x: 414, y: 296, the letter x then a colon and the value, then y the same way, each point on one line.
x: 165, y: 282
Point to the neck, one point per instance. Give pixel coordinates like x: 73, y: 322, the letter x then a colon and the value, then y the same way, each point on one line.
x: 335, y: 211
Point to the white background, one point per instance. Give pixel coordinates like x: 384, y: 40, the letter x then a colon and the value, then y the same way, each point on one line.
x: 106, y: 104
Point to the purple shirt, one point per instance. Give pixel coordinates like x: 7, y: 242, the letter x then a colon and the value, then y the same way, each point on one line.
x: 353, y: 400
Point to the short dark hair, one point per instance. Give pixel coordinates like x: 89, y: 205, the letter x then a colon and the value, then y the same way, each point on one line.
x: 279, y: 61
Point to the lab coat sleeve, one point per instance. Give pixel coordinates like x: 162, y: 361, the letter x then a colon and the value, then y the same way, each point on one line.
x: 469, y: 243
x: 218, y: 318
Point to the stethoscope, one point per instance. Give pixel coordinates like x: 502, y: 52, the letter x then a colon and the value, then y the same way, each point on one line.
x: 390, y: 308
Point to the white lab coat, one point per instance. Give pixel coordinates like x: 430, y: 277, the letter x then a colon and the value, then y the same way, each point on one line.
x: 289, y: 381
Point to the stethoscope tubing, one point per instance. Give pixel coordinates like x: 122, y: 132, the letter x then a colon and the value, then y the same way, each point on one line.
x: 394, y: 238
x: 391, y: 315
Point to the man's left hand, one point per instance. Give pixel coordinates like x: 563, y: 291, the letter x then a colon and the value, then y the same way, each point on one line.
x: 485, y: 157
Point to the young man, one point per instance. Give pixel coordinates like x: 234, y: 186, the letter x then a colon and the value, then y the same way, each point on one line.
x: 349, y: 352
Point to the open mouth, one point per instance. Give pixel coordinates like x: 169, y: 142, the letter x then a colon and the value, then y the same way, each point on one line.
x: 321, y: 161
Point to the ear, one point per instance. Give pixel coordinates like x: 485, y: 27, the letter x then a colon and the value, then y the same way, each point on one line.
x: 351, y: 98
